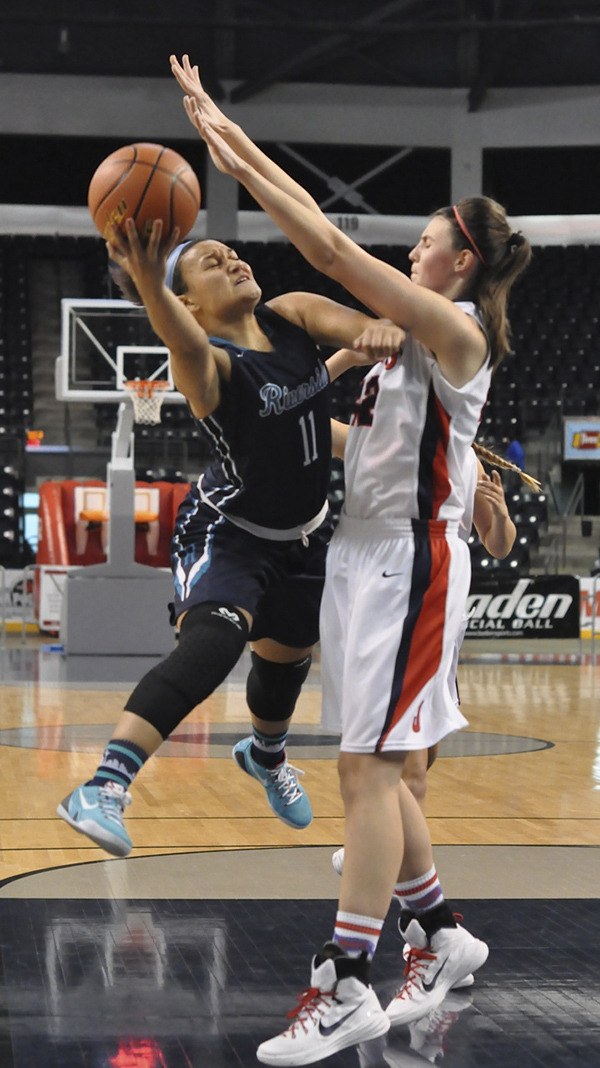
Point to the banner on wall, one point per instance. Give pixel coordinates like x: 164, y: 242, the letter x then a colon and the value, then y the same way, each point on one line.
x: 52, y: 585
x: 590, y: 592
x: 540, y: 606
x: 543, y: 606
x: 16, y: 597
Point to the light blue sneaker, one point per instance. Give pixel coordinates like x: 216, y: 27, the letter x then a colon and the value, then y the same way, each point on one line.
x: 284, y: 793
x: 98, y: 812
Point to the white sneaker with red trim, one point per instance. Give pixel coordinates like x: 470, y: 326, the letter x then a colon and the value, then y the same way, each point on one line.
x: 337, y: 861
x: 433, y: 969
x: 460, y: 984
x: 332, y: 1014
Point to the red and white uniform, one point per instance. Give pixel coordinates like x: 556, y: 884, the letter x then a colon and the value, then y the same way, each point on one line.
x: 464, y: 530
x: 470, y: 478
x: 398, y: 572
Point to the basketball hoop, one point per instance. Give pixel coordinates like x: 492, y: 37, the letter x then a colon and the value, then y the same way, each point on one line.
x: 147, y: 396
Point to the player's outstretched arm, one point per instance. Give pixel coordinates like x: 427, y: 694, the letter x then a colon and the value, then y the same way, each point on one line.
x: 377, y: 343
x: 443, y: 327
x: 194, y: 363
x: 200, y: 106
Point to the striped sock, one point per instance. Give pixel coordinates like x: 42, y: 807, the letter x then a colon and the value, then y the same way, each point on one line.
x: 268, y: 750
x: 420, y: 895
x: 121, y: 761
x: 357, y: 934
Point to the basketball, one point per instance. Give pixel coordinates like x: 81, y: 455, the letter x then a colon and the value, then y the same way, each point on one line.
x: 144, y: 182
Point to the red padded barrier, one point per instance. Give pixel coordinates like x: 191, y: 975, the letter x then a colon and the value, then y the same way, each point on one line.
x: 57, y: 544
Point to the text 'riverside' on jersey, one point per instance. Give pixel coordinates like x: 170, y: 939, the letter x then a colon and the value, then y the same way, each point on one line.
x: 271, y: 435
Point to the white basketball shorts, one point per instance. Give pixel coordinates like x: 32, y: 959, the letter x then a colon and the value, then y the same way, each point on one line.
x: 391, y: 621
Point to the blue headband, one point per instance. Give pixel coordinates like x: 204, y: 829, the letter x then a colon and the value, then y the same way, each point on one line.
x: 172, y: 261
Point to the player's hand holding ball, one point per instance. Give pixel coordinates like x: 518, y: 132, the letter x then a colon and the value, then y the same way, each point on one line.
x: 143, y: 260
x: 144, y: 182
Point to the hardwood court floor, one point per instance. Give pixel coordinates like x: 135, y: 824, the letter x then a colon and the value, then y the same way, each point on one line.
x: 527, y: 772
x: 188, y: 953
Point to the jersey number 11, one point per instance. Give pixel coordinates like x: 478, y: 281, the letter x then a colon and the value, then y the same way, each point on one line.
x: 309, y: 438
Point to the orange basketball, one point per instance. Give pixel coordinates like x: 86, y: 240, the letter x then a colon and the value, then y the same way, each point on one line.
x: 145, y: 182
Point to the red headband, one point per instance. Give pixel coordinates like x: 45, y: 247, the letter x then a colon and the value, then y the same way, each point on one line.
x: 465, y: 231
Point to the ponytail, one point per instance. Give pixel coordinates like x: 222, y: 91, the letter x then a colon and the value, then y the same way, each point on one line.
x: 494, y: 460
x: 480, y: 224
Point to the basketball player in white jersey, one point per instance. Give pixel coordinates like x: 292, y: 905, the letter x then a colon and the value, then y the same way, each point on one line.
x: 487, y: 512
x: 397, y: 577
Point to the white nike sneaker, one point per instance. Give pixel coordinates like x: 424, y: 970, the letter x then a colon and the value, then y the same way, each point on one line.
x: 461, y: 984
x: 338, y: 1010
x: 337, y: 861
x: 432, y: 970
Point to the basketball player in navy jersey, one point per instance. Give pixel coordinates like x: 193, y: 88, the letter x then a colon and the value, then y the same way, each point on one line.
x: 397, y: 580
x: 248, y: 551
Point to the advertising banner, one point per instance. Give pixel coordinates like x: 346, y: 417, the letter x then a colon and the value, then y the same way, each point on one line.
x: 52, y: 584
x: 540, y: 606
x: 590, y: 592
x: 16, y: 597
x: 581, y: 438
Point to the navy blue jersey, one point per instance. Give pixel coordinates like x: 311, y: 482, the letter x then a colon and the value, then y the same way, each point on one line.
x: 271, y: 435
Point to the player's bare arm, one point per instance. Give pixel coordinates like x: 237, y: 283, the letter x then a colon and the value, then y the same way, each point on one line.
x: 491, y: 519
x: 196, y: 366
x: 339, y: 437
x: 330, y: 323
x: 200, y: 106
x: 457, y: 341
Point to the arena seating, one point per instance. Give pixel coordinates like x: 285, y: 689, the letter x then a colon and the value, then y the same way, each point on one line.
x: 529, y: 513
x: 554, y: 313
x: 554, y: 368
x: 11, y: 487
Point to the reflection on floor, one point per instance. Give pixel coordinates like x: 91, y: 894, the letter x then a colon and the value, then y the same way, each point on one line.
x: 154, y: 984
x: 189, y: 953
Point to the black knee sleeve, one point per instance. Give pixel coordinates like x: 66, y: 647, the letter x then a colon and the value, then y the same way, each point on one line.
x: 211, y: 641
x: 273, y: 689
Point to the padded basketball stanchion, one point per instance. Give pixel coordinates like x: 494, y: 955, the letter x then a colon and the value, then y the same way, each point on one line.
x: 594, y: 618
x: 120, y: 607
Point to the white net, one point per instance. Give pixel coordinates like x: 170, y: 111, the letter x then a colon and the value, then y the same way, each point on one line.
x: 147, y: 397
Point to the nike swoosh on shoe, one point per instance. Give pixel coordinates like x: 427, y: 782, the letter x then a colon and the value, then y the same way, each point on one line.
x: 328, y: 1030
x: 429, y: 986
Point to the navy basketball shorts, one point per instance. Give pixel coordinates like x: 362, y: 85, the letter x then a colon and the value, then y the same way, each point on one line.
x: 280, y: 583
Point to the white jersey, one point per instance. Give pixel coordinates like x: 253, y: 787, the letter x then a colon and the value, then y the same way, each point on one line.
x: 470, y: 481
x: 410, y: 436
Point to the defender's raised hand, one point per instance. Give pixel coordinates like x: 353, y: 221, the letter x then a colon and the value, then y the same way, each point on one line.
x: 188, y: 79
